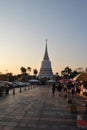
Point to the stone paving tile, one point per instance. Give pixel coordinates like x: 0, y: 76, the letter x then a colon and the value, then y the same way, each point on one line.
x: 63, y: 128
x: 22, y: 125
x: 24, y: 128
x: 1, y: 127
x: 3, y: 123
x: 36, y: 109
x: 12, y: 124
x: 6, y: 128
x: 32, y: 125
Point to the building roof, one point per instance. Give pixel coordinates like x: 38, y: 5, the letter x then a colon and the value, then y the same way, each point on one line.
x: 81, y: 77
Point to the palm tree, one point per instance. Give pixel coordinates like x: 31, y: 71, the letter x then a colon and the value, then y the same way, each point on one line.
x: 29, y: 69
x: 35, y: 71
x: 23, y: 70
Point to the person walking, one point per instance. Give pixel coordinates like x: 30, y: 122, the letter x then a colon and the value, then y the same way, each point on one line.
x: 59, y: 89
x: 53, y: 89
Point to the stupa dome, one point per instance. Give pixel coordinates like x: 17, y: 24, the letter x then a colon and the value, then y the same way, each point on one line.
x: 46, y: 69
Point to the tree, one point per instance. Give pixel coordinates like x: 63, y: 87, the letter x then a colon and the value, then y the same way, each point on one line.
x: 57, y: 77
x: 66, y: 72
x: 29, y: 69
x: 10, y: 76
x: 23, y: 70
x: 35, y: 72
x: 73, y: 74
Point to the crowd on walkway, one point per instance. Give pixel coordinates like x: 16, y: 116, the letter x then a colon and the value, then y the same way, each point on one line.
x: 68, y: 89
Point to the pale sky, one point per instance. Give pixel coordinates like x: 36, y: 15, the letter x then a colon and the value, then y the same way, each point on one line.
x: 25, y: 25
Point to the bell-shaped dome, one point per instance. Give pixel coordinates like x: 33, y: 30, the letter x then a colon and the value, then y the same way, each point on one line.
x: 46, y: 64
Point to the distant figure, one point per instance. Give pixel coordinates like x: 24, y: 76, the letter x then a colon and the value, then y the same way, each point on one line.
x: 72, y: 89
x: 53, y: 89
x: 59, y: 89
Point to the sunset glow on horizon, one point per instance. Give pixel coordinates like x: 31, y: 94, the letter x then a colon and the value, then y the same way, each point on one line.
x: 25, y: 25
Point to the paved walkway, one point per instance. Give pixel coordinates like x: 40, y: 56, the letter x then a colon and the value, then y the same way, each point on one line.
x: 36, y: 109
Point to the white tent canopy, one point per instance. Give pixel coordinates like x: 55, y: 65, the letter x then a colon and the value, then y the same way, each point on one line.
x: 33, y: 81
x: 51, y: 81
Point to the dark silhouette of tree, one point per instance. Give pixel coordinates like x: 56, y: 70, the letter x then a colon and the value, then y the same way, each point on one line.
x: 35, y: 72
x: 9, y: 76
x: 73, y: 74
x: 66, y: 72
x: 23, y: 70
x: 29, y: 70
x: 56, y: 76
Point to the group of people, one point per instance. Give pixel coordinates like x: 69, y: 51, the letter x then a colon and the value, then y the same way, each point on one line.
x: 67, y: 88
x: 54, y: 87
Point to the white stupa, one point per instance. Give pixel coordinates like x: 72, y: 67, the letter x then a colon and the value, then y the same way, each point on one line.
x: 46, y: 69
